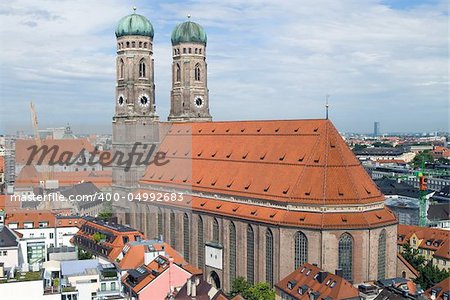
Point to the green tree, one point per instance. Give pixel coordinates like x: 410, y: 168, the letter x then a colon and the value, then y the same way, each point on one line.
x: 82, y: 254
x: 430, y: 275
x: 413, y: 256
x: 106, y: 212
x: 239, y: 286
x: 261, y: 291
x: 258, y: 291
x: 358, y: 147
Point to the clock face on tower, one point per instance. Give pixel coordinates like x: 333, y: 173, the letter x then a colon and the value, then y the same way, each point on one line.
x: 198, y: 101
x: 144, y: 100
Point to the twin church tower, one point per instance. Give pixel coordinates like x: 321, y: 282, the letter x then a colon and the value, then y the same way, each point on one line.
x: 136, y: 125
x: 135, y: 88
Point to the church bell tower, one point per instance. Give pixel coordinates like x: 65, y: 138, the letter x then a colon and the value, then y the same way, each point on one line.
x: 135, y: 123
x: 189, y: 96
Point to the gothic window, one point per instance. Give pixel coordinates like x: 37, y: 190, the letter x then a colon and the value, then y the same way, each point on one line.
x: 178, y: 73
x: 128, y: 44
x: 269, y: 257
x: 121, y: 69
x: 160, y: 223
x: 250, y: 255
x: 133, y: 44
x: 200, y: 243
x: 142, y: 68
x: 382, y: 255
x: 140, y: 44
x: 184, y: 50
x: 346, y: 256
x: 200, y: 51
x: 186, y: 237
x: 172, y: 230
x: 190, y: 50
x: 233, y: 249
x: 301, y: 249
x: 196, y: 50
x: 215, y: 231
x: 145, y: 45
x: 197, y: 72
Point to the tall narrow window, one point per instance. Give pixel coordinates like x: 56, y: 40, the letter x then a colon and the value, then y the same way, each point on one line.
x: 269, y: 257
x: 301, y: 249
x: 160, y: 223
x: 232, y: 241
x: 346, y: 256
x: 178, y: 73
x: 215, y: 231
x: 121, y: 69
x: 186, y: 237
x: 142, y: 68
x: 250, y: 255
x: 200, y: 243
x: 197, y: 72
x: 382, y: 255
x: 172, y: 230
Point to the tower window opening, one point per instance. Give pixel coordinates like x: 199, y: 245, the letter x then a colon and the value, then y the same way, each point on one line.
x: 145, y: 45
x: 196, y: 50
x: 140, y: 44
x: 200, y: 51
x: 184, y: 50
x: 142, y: 68
x: 128, y: 44
x: 190, y: 50
x: 178, y: 73
x: 197, y: 72
x: 121, y: 69
x: 133, y: 44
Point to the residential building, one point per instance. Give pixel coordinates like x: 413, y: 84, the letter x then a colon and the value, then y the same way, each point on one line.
x: 9, y: 247
x: 311, y: 282
x: 432, y: 243
x: 105, y: 239
x: 197, y: 288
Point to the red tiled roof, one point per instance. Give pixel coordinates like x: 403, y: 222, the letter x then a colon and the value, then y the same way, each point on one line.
x: 332, y: 285
x: 292, y: 161
x: 444, y: 286
x: 20, y: 216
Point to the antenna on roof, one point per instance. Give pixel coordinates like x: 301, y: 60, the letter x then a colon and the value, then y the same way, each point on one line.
x: 134, y: 9
x: 327, y: 106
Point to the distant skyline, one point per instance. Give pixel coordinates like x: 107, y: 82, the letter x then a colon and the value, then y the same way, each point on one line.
x: 383, y: 61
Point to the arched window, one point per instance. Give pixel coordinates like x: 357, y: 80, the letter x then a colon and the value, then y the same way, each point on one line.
x: 160, y: 223
x: 142, y: 68
x: 233, y: 249
x: 172, y: 230
x: 215, y: 232
x: 269, y: 257
x: 186, y: 237
x: 250, y: 255
x: 140, y: 44
x: 121, y: 68
x: 145, y: 45
x: 382, y: 255
x: 346, y: 256
x: 197, y: 72
x: 128, y: 44
x: 200, y: 243
x: 301, y: 249
x: 178, y: 73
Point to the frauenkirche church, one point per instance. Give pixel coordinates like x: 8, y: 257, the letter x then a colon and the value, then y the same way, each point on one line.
x: 260, y: 197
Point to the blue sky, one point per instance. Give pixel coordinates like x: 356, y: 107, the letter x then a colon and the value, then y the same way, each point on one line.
x: 383, y: 61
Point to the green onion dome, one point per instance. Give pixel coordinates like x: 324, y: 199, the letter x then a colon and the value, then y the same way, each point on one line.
x: 134, y: 24
x: 188, y: 32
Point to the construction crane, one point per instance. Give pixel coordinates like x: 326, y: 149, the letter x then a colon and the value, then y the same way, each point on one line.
x: 37, y: 137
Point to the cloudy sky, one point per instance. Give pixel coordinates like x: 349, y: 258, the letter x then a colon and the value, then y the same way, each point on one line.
x: 379, y: 60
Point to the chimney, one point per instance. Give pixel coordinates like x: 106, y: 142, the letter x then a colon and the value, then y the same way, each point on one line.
x: 339, y: 272
x: 189, y: 287
x: 194, y: 288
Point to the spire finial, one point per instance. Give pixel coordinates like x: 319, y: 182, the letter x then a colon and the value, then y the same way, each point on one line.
x: 327, y: 106
x: 189, y: 16
x: 134, y: 9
